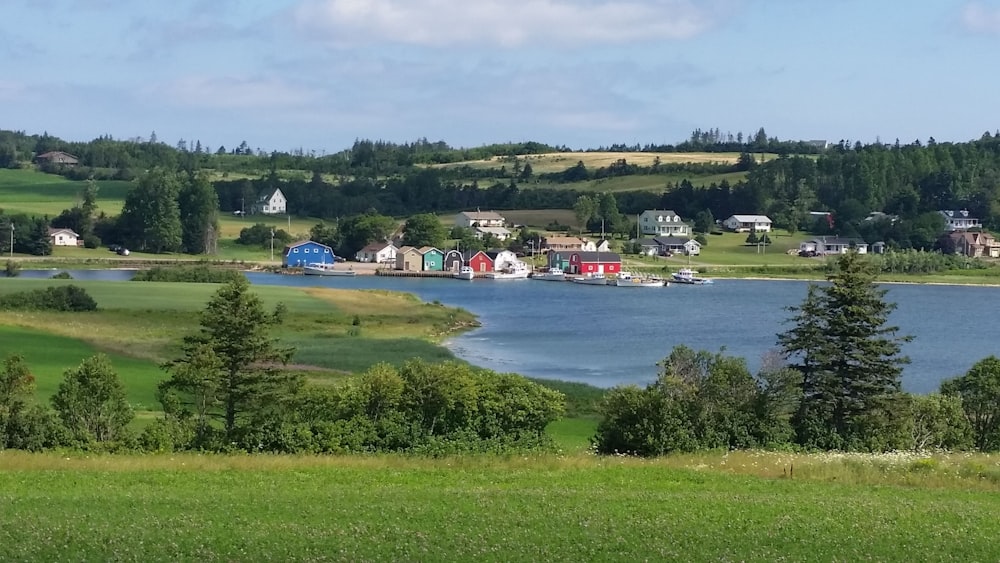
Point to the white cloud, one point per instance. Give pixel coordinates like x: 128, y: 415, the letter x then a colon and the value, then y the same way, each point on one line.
x: 505, y: 23
x: 981, y: 18
x: 234, y: 92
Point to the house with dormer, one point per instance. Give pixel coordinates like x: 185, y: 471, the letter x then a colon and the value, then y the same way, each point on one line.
x: 663, y: 222
x: 959, y: 220
x: 270, y: 202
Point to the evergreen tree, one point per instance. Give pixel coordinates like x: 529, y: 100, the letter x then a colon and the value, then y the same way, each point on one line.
x: 150, y: 218
x: 198, y: 205
x: 233, y: 362
x: 850, y: 361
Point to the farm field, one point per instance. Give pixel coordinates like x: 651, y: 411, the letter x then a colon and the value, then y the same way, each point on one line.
x: 141, y: 324
x: 732, y: 507
x: 34, y: 193
x: 559, y: 161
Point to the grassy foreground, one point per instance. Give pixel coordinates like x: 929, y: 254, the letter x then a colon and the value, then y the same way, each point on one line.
x: 548, y: 508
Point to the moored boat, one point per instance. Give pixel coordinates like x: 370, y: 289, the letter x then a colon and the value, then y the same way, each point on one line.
x: 591, y: 279
x: 626, y: 279
x: 689, y: 276
x: 464, y: 273
x: 552, y: 274
x: 326, y: 269
x: 513, y: 271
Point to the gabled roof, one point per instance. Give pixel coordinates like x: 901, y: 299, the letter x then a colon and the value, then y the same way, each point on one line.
x: 664, y: 212
x: 588, y: 256
x: 426, y: 249
x: 562, y: 240
x: 647, y: 242
x: 289, y: 247
x: 377, y: 246
x: 671, y: 241
x: 483, y: 215
x: 67, y: 231
x: 54, y: 154
x: 751, y: 218
x: 838, y: 241
x: 269, y: 193
x: 493, y: 230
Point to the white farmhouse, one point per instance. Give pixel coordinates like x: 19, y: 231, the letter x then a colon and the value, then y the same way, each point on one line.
x: 472, y: 219
x: 748, y: 223
x: 960, y: 220
x: 64, y: 237
x: 271, y: 202
x: 377, y: 252
x: 663, y: 222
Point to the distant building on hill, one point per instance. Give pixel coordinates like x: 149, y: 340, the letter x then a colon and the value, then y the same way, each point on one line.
x: 57, y: 157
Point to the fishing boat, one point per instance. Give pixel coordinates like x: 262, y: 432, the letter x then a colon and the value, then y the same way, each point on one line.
x: 552, y: 274
x: 514, y: 271
x: 689, y: 276
x: 325, y: 269
x: 464, y: 273
x: 591, y: 279
x: 626, y: 279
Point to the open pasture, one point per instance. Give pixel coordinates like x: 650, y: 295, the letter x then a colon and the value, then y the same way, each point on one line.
x: 520, y: 508
x: 559, y: 161
x: 36, y: 193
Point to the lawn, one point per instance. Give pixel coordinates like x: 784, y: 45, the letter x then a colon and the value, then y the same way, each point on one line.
x: 141, y: 325
x: 519, y: 508
x: 639, y: 182
x: 36, y: 193
x: 559, y: 161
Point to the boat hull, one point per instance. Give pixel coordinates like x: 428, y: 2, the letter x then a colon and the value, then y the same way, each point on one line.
x: 591, y: 281
x: 507, y: 276
x: 639, y: 283
x: 327, y: 271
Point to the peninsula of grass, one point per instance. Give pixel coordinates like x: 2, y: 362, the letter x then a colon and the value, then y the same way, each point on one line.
x: 728, y: 507
x: 141, y: 325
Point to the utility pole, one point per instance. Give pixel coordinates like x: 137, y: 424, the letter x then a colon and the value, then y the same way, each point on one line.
x: 272, y: 244
x: 12, y: 239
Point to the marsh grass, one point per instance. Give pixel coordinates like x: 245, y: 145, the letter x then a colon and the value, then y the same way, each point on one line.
x: 513, y: 508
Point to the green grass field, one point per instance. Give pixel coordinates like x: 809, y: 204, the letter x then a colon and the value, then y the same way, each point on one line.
x: 523, y: 508
x: 140, y: 325
x: 35, y: 193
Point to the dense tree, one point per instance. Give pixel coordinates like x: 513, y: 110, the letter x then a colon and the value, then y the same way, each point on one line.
x: 850, y: 361
x: 423, y: 230
x: 198, y: 206
x: 585, y: 208
x: 23, y: 424
x: 234, y: 362
x: 150, y: 218
x: 979, y: 392
x: 360, y: 230
x: 91, y: 402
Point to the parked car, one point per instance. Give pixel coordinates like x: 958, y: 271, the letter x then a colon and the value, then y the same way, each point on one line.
x: 114, y: 247
x: 122, y: 251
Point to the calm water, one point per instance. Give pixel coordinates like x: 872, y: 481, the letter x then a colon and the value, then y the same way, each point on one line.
x: 605, y: 336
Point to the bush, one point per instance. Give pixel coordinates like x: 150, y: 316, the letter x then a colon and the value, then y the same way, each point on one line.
x: 61, y: 298
x: 193, y: 274
x: 12, y: 269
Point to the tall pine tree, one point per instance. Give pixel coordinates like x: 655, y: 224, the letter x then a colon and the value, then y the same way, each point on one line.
x: 850, y: 359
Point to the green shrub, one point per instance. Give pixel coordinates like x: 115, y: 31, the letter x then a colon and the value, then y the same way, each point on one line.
x: 12, y: 269
x: 61, y: 298
x: 191, y: 274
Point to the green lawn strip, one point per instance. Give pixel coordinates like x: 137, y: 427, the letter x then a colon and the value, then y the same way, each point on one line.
x: 496, y: 510
x: 37, y: 193
x: 572, y: 435
x: 49, y: 356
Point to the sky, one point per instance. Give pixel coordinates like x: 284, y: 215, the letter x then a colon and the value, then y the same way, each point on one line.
x: 318, y: 74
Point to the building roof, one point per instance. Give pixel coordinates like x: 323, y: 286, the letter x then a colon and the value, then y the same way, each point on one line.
x: 671, y: 241
x: 55, y: 154
x: 483, y: 216
x: 751, y: 218
x: 405, y: 249
x: 659, y: 211
x: 562, y: 240
x: 589, y: 256
x: 266, y: 195
x: 289, y: 247
x: 493, y: 230
x: 838, y: 241
x: 647, y: 242
x: 377, y: 246
x: 956, y: 213
x: 426, y: 249
x: 67, y: 231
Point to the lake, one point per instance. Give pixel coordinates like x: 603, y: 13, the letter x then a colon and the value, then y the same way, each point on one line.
x: 606, y: 336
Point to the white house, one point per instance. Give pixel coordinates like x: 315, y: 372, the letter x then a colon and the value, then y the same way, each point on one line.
x: 271, y: 202
x: 500, y: 233
x: 959, y: 220
x: 748, y: 223
x: 833, y: 245
x: 64, y: 237
x: 470, y: 219
x: 377, y: 252
x: 663, y: 222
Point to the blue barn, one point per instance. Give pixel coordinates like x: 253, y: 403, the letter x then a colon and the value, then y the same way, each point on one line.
x: 299, y: 254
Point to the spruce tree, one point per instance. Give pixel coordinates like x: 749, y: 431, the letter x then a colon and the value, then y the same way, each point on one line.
x: 850, y: 359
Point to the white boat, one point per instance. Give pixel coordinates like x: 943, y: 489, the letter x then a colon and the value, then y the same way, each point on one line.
x: 553, y: 274
x: 626, y: 279
x: 513, y: 271
x: 326, y: 269
x: 464, y: 273
x: 689, y: 276
x: 591, y: 279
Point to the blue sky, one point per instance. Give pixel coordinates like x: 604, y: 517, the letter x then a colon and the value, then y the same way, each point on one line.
x: 317, y: 74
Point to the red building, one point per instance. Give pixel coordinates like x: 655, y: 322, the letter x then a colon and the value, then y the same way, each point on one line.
x: 480, y: 262
x: 595, y: 263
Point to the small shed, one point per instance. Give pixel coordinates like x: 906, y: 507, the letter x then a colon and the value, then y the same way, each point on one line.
x: 433, y: 259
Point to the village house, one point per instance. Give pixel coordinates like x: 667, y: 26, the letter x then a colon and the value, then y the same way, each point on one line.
x: 501, y: 259
x: 832, y: 245
x: 271, y: 202
x: 562, y: 243
x: 64, y: 237
x: 663, y: 222
x: 377, y: 252
x: 57, y: 157
x: 959, y: 220
x: 472, y: 219
x: 305, y: 252
x: 500, y: 233
x: 748, y: 223
x: 975, y: 244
